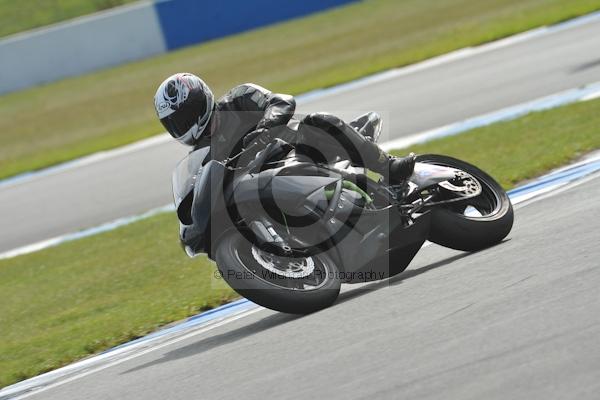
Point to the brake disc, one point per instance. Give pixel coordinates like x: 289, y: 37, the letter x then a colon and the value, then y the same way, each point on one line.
x: 469, y: 186
x: 288, y: 267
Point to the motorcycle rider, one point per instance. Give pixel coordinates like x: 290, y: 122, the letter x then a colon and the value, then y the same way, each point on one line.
x: 248, y: 113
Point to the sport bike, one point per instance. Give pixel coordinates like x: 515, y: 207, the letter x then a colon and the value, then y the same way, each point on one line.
x: 286, y: 232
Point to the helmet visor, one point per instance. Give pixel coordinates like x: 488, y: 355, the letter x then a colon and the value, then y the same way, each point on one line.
x: 181, y: 121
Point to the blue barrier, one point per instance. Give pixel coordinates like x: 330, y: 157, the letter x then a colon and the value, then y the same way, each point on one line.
x: 187, y: 22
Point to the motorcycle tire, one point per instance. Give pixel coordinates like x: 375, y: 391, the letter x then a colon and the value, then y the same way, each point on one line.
x: 234, y: 258
x: 458, y: 231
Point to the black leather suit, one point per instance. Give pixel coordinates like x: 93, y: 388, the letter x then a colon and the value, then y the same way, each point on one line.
x: 323, y: 136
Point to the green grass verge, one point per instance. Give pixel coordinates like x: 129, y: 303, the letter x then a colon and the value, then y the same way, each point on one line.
x: 64, y: 303
x: 515, y: 151
x: 63, y: 120
x: 18, y: 16
x: 61, y: 304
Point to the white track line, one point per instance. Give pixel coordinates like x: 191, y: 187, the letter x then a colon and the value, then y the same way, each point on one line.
x: 36, y: 390
x: 69, y: 237
x: 87, y: 160
x: 585, y: 93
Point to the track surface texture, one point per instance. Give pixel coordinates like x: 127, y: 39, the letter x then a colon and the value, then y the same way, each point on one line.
x: 520, y: 320
x: 132, y: 183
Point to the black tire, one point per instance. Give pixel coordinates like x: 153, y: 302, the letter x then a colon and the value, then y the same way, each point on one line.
x: 452, y: 229
x: 236, y: 268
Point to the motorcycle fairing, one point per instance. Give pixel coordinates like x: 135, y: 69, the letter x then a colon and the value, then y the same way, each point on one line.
x: 364, y: 242
x: 185, y: 174
x: 287, y: 193
x: 208, y: 201
x: 373, y: 244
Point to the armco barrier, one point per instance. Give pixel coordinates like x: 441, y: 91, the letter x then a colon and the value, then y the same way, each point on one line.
x: 79, y: 46
x: 134, y: 32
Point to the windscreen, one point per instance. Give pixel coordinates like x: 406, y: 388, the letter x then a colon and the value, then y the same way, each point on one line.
x: 185, y: 173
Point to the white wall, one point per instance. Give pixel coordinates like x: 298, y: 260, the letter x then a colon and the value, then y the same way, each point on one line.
x: 86, y: 44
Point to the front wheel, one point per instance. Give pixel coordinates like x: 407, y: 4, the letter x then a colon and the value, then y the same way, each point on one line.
x: 291, y: 285
x: 475, y: 223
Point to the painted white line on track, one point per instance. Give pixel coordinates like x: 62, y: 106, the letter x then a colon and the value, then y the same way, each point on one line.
x: 585, y: 93
x: 87, y: 160
x: 453, y: 56
x: 69, y: 237
x: 24, y: 389
x: 591, y: 96
x: 545, y: 193
x: 548, y: 185
x: 320, y: 93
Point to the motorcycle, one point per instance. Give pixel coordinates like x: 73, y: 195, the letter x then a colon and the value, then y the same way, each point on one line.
x: 286, y: 232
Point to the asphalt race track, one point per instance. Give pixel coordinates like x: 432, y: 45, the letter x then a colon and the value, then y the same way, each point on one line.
x: 520, y: 320
x: 86, y: 196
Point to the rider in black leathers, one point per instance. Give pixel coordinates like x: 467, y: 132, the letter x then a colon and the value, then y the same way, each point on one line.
x: 248, y: 112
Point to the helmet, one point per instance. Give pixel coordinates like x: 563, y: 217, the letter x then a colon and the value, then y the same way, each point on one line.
x: 184, y: 104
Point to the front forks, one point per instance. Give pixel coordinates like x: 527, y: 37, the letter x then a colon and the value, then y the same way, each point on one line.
x: 269, y: 240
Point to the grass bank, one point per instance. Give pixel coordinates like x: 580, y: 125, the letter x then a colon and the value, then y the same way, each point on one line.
x: 18, y: 16
x: 67, y: 119
x: 64, y: 303
x: 59, y: 305
x: 525, y: 148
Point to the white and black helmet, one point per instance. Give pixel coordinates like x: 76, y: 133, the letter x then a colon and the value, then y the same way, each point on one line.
x: 184, y: 104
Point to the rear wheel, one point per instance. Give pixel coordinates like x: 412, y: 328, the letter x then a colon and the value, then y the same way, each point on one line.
x: 475, y: 223
x: 291, y: 285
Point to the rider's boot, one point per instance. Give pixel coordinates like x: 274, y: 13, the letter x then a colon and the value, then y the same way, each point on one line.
x: 395, y: 170
x: 401, y: 168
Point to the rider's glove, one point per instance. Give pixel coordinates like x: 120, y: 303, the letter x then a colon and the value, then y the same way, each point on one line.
x: 261, y: 135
